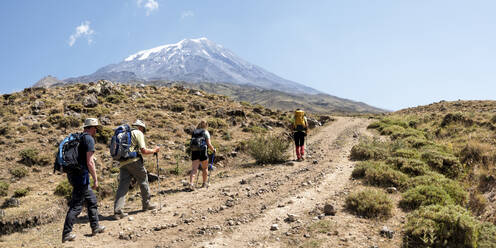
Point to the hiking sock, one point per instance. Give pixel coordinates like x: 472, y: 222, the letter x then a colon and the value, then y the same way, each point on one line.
x: 298, y: 152
x: 302, y: 150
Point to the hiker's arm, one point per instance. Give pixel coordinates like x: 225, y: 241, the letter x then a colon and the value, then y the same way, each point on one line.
x: 210, y: 146
x: 90, y: 163
x: 150, y: 151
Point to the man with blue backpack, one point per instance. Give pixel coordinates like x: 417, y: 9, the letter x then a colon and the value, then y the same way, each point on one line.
x: 128, y: 146
x: 76, y: 158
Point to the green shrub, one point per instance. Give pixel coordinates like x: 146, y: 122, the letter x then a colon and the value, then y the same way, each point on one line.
x: 19, y: 172
x: 370, y: 203
x: 374, y: 125
x: 255, y: 129
x: 380, y: 174
x: 177, y: 107
x: 267, y: 149
x: 487, y: 235
x: 412, y: 167
x: 114, y: 98
x: 104, y: 134
x: 424, y: 195
x: 444, y: 163
x: 4, y: 188
x: 29, y: 156
x: 64, y: 189
x: 478, y: 153
x: 453, y: 188
x: 440, y: 226
x: 477, y: 203
x: 417, y: 142
x: 77, y: 107
x: 69, y: 121
x: 406, y: 153
x: 21, y: 193
x: 217, y: 123
x: 114, y: 170
x: 369, y: 149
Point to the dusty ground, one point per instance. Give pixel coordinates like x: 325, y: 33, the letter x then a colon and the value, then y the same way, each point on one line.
x: 241, y: 205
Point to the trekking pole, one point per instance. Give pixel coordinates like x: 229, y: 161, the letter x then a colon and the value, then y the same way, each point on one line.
x: 208, y: 169
x: 158, y: 178
x: 294, y: 148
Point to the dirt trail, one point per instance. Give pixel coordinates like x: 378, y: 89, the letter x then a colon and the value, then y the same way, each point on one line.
x: 241, y: 205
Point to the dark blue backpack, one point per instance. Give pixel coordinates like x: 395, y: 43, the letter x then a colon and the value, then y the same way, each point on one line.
x: 198, y: 142
x: 67, y: 156
x: 121, y: 143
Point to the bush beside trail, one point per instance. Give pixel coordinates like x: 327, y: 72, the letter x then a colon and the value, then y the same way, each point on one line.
x: 268, y: 149
x: 430, y: 175
x: 370, y: 203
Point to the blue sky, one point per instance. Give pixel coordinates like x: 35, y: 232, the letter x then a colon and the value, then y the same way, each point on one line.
x: 390, y: 54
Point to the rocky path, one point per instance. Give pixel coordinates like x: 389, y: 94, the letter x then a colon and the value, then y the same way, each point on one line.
x: 241, y: 206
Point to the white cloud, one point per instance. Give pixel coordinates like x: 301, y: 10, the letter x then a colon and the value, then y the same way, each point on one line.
x: 150, y: 5
x: 187, y: 13
x: 83, y: 30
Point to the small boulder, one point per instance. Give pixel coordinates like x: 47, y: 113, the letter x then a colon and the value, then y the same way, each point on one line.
x: 90, y: 101
x: 329, y: 209
x: 11, y: 203
x: 274, y: 227
x: 386, y: 232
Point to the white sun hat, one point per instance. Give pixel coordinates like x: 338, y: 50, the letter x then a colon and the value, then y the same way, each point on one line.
x: 91, y: 122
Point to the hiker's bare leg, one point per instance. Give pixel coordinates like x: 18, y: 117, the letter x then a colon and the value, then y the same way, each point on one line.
x: 204, y: 170
x: 194, y: 170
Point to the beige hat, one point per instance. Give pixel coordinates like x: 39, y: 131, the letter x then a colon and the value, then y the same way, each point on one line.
x: 91, y: 122
x: 140, y: 123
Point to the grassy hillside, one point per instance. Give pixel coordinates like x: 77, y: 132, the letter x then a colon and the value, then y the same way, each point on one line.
x: 442, y: 159
x: 274, y: 99
x: 34, y: 121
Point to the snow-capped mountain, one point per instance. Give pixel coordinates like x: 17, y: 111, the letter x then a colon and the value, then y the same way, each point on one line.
x: 192, y: 60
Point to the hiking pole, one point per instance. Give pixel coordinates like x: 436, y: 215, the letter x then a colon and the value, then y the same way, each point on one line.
x: 158, y: 178
x: 208, y: 169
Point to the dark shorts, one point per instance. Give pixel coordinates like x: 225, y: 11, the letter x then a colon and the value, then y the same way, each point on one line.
x: 299, y: 138
x: 199, y: 155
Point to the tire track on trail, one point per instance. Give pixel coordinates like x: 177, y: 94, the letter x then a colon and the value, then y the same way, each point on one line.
x: 331, y: 146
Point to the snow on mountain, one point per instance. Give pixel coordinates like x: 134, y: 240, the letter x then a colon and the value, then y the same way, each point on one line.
x: 192, y: 60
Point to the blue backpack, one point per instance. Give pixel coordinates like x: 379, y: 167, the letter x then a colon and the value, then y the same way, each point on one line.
x: 121, y: 143
x: 198, y: 141
x: 66, y: 159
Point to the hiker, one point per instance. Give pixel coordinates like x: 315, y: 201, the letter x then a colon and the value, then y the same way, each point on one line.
x: 134, y: 167
x: 200, y: 141
x: 80, y: 181
x: 300, y: 129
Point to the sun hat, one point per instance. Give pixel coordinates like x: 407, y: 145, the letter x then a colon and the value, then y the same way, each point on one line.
x: 140, y: 123
x: 91, y: 122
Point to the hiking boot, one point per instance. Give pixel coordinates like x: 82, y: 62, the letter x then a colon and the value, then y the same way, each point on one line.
x: 119, y: 215
x: 191, y: 187
x: 68, y: 237
x: 205, y: 185
x: 149, y: 207
x: 98, y: 229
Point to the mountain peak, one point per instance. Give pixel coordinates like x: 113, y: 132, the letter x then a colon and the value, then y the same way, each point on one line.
x: 185, y: 43
x: 192, y: 60
x: 47, y: 82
